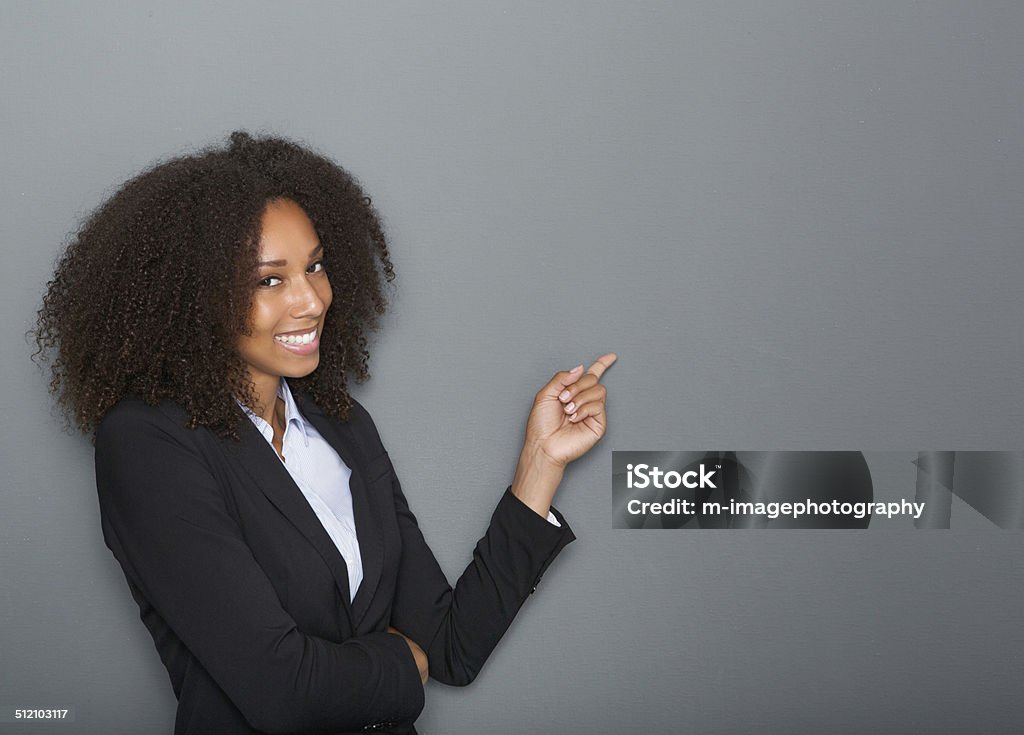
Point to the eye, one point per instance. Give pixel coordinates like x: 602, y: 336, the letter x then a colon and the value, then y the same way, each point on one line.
x: 266, y: 281
x: 317, y: 267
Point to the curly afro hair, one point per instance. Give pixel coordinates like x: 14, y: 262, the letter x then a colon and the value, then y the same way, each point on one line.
x: 155, y: 287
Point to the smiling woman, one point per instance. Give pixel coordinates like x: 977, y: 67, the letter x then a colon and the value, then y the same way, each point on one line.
x: 248, y: 499
x: 289, y: 305
x: 172, y: 259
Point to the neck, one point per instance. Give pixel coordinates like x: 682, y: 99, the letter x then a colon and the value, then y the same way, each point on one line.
x: 267, y: 400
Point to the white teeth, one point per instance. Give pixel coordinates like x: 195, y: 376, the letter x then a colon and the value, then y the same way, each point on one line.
x: 301, y: 339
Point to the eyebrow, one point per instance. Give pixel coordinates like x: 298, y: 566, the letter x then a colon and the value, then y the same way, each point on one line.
x: 280, y: 263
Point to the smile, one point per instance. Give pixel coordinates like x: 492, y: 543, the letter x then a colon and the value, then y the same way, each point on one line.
x: 302, y: 344
x: 297, y: 339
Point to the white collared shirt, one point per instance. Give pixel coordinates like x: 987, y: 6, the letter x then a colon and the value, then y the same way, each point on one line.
x: 323, y: 478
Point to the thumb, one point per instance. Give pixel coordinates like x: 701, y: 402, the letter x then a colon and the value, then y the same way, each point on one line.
x: 561, y: 381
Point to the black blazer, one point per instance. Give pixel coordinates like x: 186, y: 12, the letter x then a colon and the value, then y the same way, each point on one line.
x: 247, y: 597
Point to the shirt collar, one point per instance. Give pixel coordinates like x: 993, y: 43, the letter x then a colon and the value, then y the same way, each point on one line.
x: 291, y: 411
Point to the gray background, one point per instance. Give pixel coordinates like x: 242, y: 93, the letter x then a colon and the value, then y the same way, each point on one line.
x: 798, y: 224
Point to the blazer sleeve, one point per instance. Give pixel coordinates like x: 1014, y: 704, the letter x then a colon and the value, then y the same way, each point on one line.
x: 167, y: 522
x: 458, y: 628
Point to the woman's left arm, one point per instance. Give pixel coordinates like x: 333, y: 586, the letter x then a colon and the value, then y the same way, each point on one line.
x: 458, y: 628
x: 567, y: 420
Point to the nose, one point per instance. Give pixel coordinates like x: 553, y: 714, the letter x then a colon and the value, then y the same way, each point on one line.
x: 306, y: 301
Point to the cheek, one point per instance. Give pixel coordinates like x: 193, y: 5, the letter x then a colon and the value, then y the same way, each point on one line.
x: 263, y: 318
x: 260, y: 325
x: 326, y: 294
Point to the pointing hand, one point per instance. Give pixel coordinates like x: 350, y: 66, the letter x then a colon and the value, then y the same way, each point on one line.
x: 568, y: 416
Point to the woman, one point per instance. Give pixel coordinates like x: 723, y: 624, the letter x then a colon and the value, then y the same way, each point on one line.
x: 205, y: 321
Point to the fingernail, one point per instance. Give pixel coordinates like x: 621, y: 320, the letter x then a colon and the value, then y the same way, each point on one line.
x: 576, y: 369
x: 573, y: 417
x: 564, y: 395
x: 570, y: 407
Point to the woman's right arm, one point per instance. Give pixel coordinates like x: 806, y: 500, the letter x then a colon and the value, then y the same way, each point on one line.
x: 166, y: 521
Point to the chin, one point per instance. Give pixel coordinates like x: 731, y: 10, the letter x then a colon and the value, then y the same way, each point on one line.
x: 300, y: 373
x: 294, y: 371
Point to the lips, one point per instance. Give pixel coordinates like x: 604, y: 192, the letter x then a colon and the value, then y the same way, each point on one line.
x: 300, y: 343
x: 304, y: 337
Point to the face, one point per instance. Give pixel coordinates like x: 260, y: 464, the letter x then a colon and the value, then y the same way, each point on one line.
x: 290, y: 302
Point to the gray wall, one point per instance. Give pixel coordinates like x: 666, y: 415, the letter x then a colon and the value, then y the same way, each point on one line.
x: 798, y: 224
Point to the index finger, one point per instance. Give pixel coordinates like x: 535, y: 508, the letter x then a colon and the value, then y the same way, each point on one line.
x: 602, y: 363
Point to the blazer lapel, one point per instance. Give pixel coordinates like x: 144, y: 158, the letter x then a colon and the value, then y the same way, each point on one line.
x: 346, y: 442
x: 271, y: 477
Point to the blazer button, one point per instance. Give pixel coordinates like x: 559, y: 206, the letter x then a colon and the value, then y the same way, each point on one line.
x: 386, y: 724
